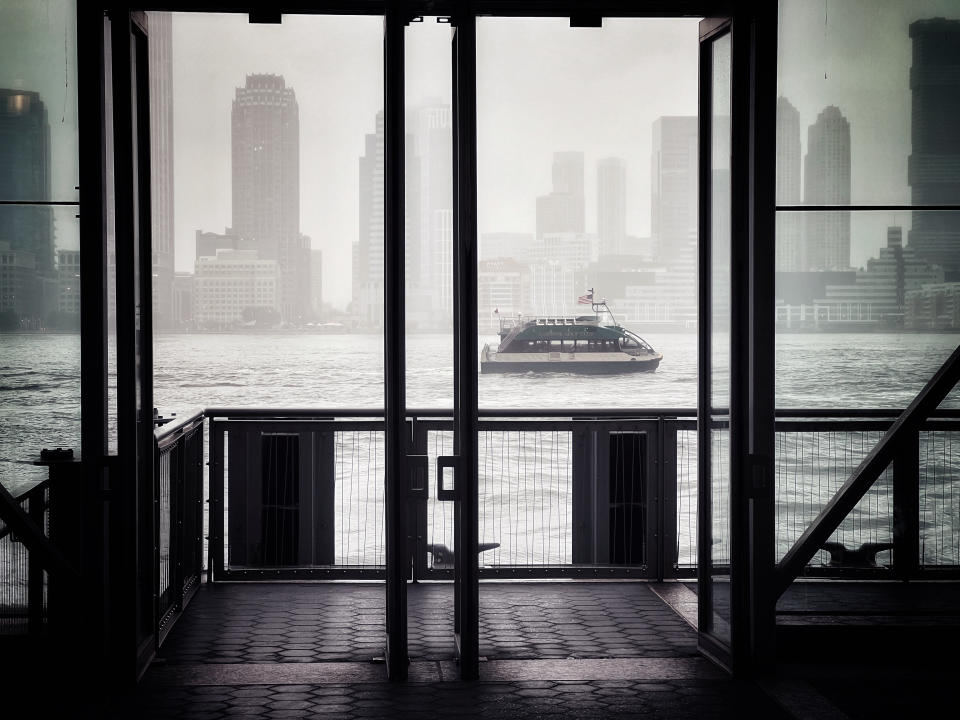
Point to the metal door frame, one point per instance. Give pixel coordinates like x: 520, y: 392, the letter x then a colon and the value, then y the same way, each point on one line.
x: 751, y: 409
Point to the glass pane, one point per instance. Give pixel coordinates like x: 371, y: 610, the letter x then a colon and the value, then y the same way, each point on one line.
x: 871, y: 335
x: 587, y: 179
x: 39, y: 340
x: 38, y: 101
x: 870, y: 103
x: 276, y: 205
x: 720, y: 259
x: 586, y: 274
x: 429, y: 202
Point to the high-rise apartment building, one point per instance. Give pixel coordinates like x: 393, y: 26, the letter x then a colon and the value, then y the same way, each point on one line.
x: 789, y: 225
x: 368, y: 250
x: 673, y: 170
x: 430, y: 254
x: 562, y: 211
x: 266, y: 186
x: 612, y: 206
x: 826, y: 181
x: 161, y: 165
x: 934, y: 165
x: 25, y: 174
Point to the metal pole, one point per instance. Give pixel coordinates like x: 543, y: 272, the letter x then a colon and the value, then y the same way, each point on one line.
x: 465, y: 223
x: 393, y: 343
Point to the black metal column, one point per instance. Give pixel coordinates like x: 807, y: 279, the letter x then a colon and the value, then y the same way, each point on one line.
x: 465, y: 340
x: 93, y: 327
x: 131, y: 513
x: 761, y: 346
x: 394, y: 347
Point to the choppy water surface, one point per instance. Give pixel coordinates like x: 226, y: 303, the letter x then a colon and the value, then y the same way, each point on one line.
x: 40, y: 387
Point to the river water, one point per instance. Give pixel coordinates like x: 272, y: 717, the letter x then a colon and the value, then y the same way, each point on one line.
x: 39, y: 394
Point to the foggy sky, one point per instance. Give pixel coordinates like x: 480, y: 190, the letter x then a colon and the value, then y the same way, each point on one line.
x: 542, y: 86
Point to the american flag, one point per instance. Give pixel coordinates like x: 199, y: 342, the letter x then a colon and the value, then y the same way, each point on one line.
x: 586, y: 299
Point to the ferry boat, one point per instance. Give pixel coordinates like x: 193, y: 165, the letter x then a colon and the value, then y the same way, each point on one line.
x: 590, y: 344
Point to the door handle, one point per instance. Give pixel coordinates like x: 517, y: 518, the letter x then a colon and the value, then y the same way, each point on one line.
x: 418, y: 467
x: 452, y: 462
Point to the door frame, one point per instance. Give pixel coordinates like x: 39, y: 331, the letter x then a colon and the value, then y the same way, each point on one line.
x: 754, y: 124
x: 751, y: 648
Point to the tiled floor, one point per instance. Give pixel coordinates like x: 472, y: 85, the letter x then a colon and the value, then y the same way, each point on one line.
x: 308, y: 623
x: 584, y: 650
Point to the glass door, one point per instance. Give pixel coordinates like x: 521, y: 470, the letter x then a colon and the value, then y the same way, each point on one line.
x: 714, y: 396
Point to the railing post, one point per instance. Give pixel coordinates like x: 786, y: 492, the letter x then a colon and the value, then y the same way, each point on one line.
x: 36, y: 511
x: 668, y: 497
x: 177, y: 475
x: 582, y: 495
x: 326, y: 492
x: 417, y: 525
x: 906, y: 508
x: 215, y: 507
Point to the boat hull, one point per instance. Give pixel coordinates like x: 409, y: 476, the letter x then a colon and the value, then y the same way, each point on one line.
x: 583, y: 367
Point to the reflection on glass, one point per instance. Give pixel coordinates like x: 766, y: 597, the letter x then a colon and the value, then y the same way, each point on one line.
x: 720, y: 259
x: 869, y: 104
x: 38, y: 101
x: 39, y: 339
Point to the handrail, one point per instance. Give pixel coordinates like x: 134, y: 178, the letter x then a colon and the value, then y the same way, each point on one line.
x: 785, y: 413
x: 176, y: 426
x: 33, y: 537
x: 873, y: 465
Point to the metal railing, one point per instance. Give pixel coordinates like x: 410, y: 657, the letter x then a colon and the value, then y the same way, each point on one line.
x: 178, y: 518
x: 23, y: 582
x: 609, y: 493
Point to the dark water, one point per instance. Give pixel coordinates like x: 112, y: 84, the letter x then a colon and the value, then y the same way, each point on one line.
x: 39, y: 378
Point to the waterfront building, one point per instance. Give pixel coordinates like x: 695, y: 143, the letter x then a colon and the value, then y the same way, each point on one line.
x: 934, y: 163
x: 316, y: 282
x: 933, y: 307
x: 562, y: 210
x: 505, y: 245
x: 25, y: 176
x: 160, y: 62
x: 68, y: 281
x: 207, y: 243
x: 183, y: 299
x: 874, y: 298
x: 650, y: 294
x: 367, y: 252
x: 673, y: 185
x: 19, y: 296
x: 430, y: 244
x: 826, y: 181
x: 235, y: 287
x: 552, y: 288
x: 789, y: 225
x: 500, y: 286
x: 612, y: 205
x: 265, y: 136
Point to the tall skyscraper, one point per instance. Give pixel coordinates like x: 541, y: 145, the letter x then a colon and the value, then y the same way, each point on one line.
x: 673, y: 186
x: 826, y: 181
x: 562, y: 211
x: 161, y: 165
x: 789, y: 225
x: 266, y: 186
x: 368, y: 250
x: 432, y: 128
x: 25, y: 175
x: 26, y: 231
x: 934, y: 165
x: 612, y: 206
